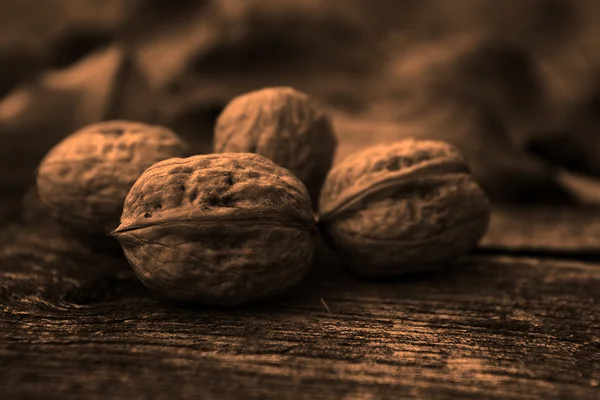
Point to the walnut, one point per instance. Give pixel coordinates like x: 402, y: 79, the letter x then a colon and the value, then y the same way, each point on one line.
x: 284, y: 125
x: 84, y: 179
x: 222, y: 229
x: 401, y: 207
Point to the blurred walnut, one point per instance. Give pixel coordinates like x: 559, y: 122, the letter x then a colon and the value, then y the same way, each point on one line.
x: 84, y: 179
x: 284, y: 125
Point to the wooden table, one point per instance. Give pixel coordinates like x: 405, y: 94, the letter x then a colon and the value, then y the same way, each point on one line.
x: 517, y: 319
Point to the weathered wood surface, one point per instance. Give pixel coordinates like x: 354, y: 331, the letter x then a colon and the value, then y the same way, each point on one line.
x: 518, y: 319
x: 568, y: 232
x: 75, y: 323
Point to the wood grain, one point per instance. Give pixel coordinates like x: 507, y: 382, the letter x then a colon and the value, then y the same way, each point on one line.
x: 518, y: 319
x: 75, y: 323
x: 567, y: 232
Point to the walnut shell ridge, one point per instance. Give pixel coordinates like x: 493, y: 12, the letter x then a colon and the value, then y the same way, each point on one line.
x: 222, y: 229
x: 85, y: 178
x: 400, y: 207
x: 286, y: 126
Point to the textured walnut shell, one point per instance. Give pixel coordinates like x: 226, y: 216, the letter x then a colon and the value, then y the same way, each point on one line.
x: 84, y: 179
x: 220, y: 229
x: 284, y: 125
x: 402, y: 207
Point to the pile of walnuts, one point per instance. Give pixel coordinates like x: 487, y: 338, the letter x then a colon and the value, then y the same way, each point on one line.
x: 241, y: 224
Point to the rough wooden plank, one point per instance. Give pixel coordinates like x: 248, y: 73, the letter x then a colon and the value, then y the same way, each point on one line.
x: 540, y: 229
x: 75, y: 323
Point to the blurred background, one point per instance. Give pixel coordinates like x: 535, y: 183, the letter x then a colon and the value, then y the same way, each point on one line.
x: 515, y: 85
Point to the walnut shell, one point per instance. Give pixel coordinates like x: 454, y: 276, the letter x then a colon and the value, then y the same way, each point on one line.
x: 401, y: 207
x: 84, y: 179
x: 221, y: 229
x: 284, y: 125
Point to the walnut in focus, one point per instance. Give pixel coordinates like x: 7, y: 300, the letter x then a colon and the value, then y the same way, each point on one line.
x: 85, y: 178
x: 401, y: 207
x: 284, y: 125
x: 221, y: 229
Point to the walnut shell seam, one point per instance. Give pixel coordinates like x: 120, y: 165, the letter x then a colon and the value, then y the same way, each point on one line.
x: 250, y: 220
x: 433, y: 171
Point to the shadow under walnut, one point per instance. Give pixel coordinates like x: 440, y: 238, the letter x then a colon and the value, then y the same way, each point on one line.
x: 42, y: 264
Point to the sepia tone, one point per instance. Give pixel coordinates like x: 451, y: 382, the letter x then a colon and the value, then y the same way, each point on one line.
x: 220, y: 229
x: 222, y: 279
x: 84, y: 179
x: 401, y: 207
x: 286, y: 126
